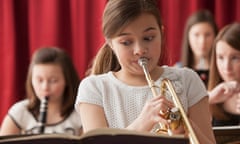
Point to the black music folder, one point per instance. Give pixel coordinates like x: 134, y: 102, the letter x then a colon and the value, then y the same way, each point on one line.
x: 98, y: 136
x: 227, y: 134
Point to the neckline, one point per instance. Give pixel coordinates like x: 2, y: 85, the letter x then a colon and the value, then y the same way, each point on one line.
x: 120, y: 83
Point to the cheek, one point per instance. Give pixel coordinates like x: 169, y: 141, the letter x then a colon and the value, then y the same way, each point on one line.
x: 210, y: 43
x: 192, y: 40
x: 122, y: 53
x: 156, y: 53
x: 219, y: 66
x: 35, y: 85
x: 156, y: 48
x: 122, y: 58
x: 59, y: 89
x: 237, y: 70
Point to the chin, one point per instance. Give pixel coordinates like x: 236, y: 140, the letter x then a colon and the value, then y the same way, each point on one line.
x: 137, y: 72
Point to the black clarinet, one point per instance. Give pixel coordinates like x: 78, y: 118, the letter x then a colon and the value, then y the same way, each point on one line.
x: 43, y: 115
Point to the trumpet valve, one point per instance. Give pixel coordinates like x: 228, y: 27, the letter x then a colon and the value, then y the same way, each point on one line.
x: 175, y: 118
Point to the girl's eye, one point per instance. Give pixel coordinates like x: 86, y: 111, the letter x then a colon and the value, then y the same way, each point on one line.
x: 207, y: 34
x: 148, y: 38
x: 195, y: 34
x: 53, y: 80
x: 126, y: 43
x: 236, y: 58
x: 219, y: 57
x: 39, y: 80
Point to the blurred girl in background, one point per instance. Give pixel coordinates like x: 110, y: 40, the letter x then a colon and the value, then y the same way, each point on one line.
x: 52, y: 74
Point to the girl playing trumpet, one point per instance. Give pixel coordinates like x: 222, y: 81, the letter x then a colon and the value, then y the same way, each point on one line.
x: 116, y: 95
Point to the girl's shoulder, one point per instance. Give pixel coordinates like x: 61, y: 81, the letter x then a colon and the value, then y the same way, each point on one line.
x: 178, y: 71
x: 182, y: 75
x: 97, y: 78
x: 20, y: 106
x: 20, y: 114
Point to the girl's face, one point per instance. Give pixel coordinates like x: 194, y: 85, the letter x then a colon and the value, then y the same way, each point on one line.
x: 141, y: 38
x: 228, y: 61
x: 201, y: 37
x: 48, y: 80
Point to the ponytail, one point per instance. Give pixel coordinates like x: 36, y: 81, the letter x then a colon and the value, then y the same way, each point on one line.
x: 105, y: 61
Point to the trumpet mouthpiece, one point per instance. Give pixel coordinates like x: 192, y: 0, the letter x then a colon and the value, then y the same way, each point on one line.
x: 142, y: 61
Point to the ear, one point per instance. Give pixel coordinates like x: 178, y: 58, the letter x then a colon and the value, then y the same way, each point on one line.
x: 162, y: 29
x: 109, y: 43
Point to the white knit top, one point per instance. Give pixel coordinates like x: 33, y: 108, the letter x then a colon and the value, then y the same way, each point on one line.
x: 123, y: 103
x: 29, y: 124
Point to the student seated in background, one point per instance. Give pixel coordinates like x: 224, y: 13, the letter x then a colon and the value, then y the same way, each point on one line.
x: 117, y: 95
x: 224, y: 80
x: 52, y: 74
x: 200, y: 31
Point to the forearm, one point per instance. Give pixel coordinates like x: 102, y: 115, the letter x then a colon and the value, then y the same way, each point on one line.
x: 140, y: 125
x: 204, y: 135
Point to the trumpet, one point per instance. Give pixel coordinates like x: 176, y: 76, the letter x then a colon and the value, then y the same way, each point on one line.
x: 177, y: 114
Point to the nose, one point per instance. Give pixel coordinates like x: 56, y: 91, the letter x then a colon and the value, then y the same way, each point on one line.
x: 140, y: 49
x: 45, y: 85
x: 202, y: 40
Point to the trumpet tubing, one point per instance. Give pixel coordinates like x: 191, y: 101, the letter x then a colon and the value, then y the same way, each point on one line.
x: 192, y: 136
x: 176, y: 114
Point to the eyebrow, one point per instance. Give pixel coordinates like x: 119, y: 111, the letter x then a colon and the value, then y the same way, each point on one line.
x: 146, y: 30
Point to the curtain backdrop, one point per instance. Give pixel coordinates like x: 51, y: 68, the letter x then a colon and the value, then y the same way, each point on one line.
x: 75, y: 25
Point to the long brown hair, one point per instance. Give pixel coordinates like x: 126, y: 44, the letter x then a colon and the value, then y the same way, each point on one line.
x: 200, y: 16
x: 58, y: 56
x: 117, y: 15
x: 229, y: 34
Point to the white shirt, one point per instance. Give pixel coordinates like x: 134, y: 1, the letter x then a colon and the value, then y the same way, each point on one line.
x: 122, y: 103
x: 29, y: 125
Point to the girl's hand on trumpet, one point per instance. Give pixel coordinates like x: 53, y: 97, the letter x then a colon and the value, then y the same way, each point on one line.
x: 152, y: 113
